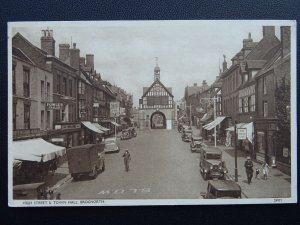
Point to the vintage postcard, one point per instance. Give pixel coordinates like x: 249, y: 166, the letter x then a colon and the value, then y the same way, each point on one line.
x: 105, y: 113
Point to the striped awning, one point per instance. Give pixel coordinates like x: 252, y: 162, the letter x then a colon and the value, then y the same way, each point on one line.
x: 214, y: 123
x: 92, y: 127
x: 100, y: 127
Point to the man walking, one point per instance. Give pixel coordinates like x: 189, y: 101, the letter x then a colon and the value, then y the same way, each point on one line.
x: 127, y: 159
x: 249, y: 169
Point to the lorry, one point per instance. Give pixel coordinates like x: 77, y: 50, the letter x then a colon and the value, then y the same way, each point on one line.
x: 86, y: 159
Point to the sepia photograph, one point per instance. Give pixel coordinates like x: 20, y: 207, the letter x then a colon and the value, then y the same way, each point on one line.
x: 106, y: 113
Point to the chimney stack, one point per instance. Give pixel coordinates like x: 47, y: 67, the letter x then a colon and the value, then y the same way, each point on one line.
x: 195, y: 84
x: 64, y: 51
x: 48, y: 42
x: 82, y: 61
x: 90, y: 61
x: 268, y: 31
x: 204, y: 83
x: 247, y: 40
x: 285, y: 36
x: 74, y: 57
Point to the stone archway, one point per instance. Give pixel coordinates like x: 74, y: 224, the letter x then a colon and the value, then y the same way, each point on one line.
x: 158, y: 120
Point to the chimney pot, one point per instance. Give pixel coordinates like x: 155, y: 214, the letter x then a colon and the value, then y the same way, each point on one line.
x: 285, y: 38
x: 268, y: 31
x: 195, y: 84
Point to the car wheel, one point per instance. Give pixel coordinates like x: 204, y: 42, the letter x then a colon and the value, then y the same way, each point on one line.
x: 74, y: 176
x: 94, y: 173
x: 103, y: 167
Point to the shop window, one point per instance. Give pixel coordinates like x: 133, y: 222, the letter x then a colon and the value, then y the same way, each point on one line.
x: 26, y: 116
x: 261, y: 142
x: 26, y: 82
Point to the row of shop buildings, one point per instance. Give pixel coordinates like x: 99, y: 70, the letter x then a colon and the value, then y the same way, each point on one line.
x: 253, y: 93
x: 62, y: 99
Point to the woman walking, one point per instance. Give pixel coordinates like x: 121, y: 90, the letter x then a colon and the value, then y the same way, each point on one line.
x: 265, y: 169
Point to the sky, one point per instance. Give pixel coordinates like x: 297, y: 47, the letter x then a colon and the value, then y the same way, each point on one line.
x: 124, y: 51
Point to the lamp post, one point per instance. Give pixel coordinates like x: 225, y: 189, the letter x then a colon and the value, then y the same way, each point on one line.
x: 235, y: 154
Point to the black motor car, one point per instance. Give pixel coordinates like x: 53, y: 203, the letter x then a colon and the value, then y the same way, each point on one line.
x: 222, y: 189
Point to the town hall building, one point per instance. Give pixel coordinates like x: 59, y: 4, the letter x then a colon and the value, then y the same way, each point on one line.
x: 156, y: 106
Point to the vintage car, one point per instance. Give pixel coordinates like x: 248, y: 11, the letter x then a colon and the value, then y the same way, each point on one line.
x: 211, y: 164
x: 29, y: 191
x: 86, y: 159
x: 111, y: 145
x: 186, y: 134
x: 126, y: 134
x: 196, y: 144
x: 222, y: 189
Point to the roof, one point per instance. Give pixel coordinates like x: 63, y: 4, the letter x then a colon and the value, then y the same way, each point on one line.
x: 21, y: 55
x: 263, y: 47
x: 255, y: 64
x: 157, y: 81
x: 226, y: 185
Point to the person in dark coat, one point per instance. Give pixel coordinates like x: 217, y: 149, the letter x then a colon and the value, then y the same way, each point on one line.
x: 249, y: 169
x: 127, y: 159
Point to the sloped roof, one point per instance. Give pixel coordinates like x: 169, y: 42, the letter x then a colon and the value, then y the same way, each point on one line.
x: 21, y: 55
x: 157, y: 81
x: 192, y: 90
x: 255, y: 64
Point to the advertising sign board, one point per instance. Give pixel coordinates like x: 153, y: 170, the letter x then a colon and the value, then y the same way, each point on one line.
x: 114, y: 109
x: 242, y: 133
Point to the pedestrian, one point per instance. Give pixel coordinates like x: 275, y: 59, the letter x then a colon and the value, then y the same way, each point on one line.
x: 127, y: 159
x: 257, y: 171
x: 58, y: 196
x: 51, y: 195
x: 249, y: 169
x: 265, y: 169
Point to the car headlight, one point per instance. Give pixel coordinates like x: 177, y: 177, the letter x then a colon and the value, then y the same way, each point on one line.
x: 211, y: 167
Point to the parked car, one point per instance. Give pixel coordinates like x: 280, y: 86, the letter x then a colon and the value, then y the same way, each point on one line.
x: 126, y: 134
x: 111, y: 145
x: 211, y: 164
x: 196, y: 144
x: 222, y: 189
x: 186, y: 134
x: 86, y: 159
x: 29, y: 191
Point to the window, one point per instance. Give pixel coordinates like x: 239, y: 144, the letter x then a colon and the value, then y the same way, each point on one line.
x: 48, y: 120
x: 252, y: 103
x: 26, y: 82
x: 58, y: 84
x: 245, y: 104
x: 14, y: 116
x: 71, y: 88
x: 64, y: 85
x: 48, y: 92
x: 265, y: 109
x: 249, y: 104
x: 42, y: 120
x: 240, y: 105
x: 14, y: 79
x: 65, y: 114
x: 26, y: 116
x: 81, y: 87
x: 42, y: 90
x: 265, y: 85
x: 246, y: 77
x: 57, y: 115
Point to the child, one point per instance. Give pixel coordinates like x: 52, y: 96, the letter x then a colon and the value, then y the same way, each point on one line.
x: 256, y: 172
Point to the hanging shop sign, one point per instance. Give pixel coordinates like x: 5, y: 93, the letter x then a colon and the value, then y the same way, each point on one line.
x: 242, y: 133
x: 54, y: 105
x: 114, y: 109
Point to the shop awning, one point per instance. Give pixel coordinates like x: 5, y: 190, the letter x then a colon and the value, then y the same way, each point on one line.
x: 214, y: 123
x: 92, y: 127
x: 115, y: 124
x: 104, y: 129
x: 36, y: 150
x: 249, y: 128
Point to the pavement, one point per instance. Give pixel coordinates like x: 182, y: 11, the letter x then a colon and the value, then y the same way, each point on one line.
x: 277, y: 185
